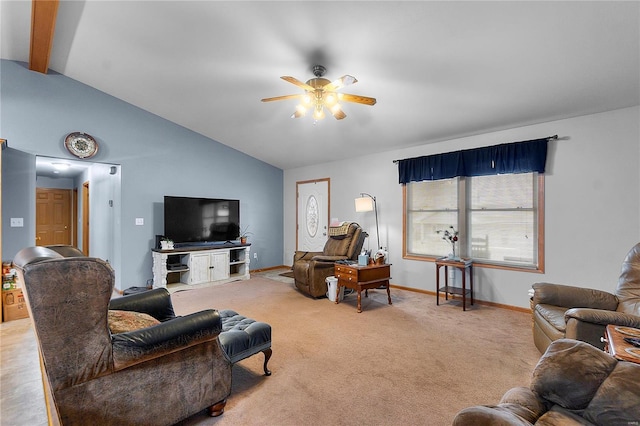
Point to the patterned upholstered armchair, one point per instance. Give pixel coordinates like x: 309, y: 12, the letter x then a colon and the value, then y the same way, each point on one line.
x: 153, y: 368
x: 310, y: 269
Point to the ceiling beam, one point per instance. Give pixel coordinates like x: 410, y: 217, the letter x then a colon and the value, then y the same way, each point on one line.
x: 43, y: 25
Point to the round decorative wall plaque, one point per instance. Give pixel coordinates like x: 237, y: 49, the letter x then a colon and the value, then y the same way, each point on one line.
x: 81, y: 145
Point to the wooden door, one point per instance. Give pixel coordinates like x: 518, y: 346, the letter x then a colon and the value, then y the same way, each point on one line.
x: 312, y: 214
x: 53, y: 216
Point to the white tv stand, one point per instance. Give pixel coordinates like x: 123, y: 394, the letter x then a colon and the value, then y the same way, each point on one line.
x: 200, y: 264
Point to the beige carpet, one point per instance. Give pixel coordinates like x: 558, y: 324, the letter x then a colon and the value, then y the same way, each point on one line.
x: 411, y: 363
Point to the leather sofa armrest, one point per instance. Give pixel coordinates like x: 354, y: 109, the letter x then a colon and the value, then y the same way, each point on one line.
x: 156, y: 302
x: 570, y: 296
x: 141, y: 345
x: 602, y: 317
x: 305, y: 255
x: 523, y: 402
x: 523, y: 412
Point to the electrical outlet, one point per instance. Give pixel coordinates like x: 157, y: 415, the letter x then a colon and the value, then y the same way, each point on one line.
x: 255, y: 255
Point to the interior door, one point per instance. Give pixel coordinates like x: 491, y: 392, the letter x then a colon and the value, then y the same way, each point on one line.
x: 312, y: 214
x: 53, y: 216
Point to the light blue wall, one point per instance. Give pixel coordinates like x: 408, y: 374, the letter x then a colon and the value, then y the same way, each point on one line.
x: 18, y: 200
x: 57, y: 183
x: 157, y: 158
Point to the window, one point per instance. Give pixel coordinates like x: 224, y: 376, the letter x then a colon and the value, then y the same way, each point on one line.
x: 499, y: 219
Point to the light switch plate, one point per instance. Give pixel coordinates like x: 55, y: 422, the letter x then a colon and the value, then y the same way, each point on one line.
x: 139, y: 221
x: 17, y: 222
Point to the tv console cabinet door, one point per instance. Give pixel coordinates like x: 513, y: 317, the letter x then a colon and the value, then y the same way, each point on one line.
x: 199, y: 268
x: 219, y: 266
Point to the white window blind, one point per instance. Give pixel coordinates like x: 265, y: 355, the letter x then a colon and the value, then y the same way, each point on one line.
x: 503, y: 217
x: 431, y: 206
x: 496, y: 216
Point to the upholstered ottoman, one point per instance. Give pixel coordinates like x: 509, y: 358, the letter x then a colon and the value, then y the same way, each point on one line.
x: 242, y: 337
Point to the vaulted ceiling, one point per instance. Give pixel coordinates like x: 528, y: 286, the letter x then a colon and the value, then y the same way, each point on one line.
x: 438, y: 69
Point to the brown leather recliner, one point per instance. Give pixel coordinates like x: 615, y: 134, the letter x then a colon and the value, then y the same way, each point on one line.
x: 310, y: 269
x: 572, y: 384
x: 581, y: 313
x: 66, y: 250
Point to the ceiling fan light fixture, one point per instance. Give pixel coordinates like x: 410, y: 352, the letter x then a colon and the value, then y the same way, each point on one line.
x: 318, y: 113
x: 348, y: 79
x: 320, y: 92
x: 299, y: 112
x: 337, y: 112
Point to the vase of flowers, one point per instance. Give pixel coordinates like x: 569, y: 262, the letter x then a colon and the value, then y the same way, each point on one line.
x: 450, y: 235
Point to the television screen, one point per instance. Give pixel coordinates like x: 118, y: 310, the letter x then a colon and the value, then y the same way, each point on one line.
x: 189, y: 220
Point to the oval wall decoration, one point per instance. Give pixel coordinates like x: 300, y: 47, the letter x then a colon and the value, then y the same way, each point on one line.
x: 311, y: 216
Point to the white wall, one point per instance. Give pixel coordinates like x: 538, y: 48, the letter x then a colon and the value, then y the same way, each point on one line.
x: 592, y: 196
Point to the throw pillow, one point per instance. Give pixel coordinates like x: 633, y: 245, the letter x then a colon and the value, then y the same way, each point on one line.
x: 123, y: 321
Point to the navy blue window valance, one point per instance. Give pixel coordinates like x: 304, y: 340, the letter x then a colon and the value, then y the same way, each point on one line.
x: 516, y: 157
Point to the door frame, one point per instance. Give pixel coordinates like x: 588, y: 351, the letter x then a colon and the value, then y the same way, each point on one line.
x: 85, y: 218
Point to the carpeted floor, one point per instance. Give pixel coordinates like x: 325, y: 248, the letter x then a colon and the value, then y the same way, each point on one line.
x: 411, y: 363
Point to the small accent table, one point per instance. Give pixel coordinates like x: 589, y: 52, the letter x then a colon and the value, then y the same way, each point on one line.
x: 363, y: 278
x: 616, y: 346
x: 464, y: 265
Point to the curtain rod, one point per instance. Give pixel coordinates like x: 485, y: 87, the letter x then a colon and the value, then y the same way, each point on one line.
x: 548, y: 138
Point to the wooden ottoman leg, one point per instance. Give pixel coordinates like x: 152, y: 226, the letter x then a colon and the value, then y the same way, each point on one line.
x: 267, y: 357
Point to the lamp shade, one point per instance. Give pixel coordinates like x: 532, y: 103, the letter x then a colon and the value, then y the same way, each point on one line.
x: 364, y: 204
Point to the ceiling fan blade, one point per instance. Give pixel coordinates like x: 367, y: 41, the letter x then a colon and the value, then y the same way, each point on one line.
x: 281, y: 98
x: 298, y: 83
x: 338, y: 114
x: 345, y: 80
x: 357, y: 99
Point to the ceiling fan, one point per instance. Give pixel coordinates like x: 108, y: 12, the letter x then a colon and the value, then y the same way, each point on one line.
x: 320, y: 93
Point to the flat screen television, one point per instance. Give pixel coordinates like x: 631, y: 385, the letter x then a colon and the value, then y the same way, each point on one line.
x: 200, y: 221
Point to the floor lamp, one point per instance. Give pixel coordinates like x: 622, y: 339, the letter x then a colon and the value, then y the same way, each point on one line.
x: 367, y: 203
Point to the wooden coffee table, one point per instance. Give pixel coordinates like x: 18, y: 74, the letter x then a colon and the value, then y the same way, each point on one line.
x: 616, y: 346
x: 363, y: 278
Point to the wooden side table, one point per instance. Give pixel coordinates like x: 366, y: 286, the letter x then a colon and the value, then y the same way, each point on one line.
x: 363, y: 278
x: 464, y: 265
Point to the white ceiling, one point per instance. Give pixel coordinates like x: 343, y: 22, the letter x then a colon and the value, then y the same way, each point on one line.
x: 439, y: 70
